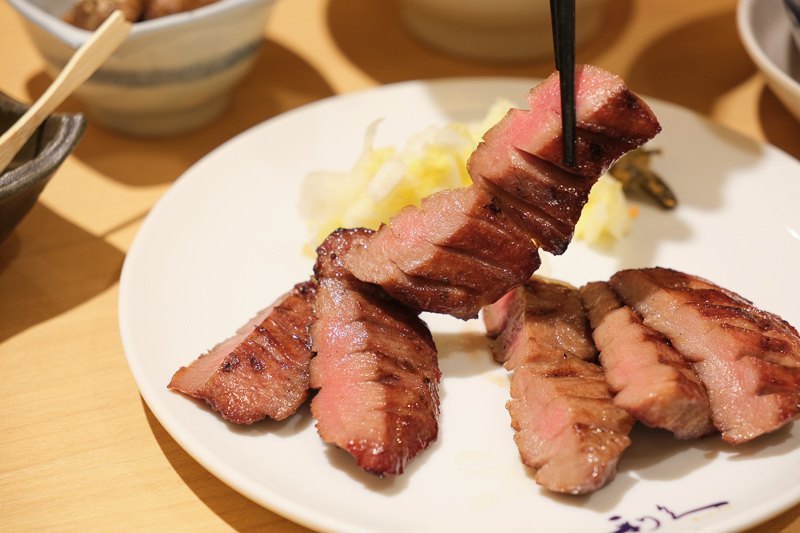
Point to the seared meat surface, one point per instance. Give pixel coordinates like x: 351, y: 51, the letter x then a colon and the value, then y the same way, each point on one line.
x: 376, y: 367
x: 457, y: 251
x: 649, y: 379
x: 542, y: 316
x: 262, y: 371
x: 522, y: 154
x: 464, y: 249
x: 353, y: 333
x: 611, y: 120
x: 568, y: 429
x: 747, y: 358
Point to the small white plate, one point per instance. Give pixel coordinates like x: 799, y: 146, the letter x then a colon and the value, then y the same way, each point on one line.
x: 226, y: 240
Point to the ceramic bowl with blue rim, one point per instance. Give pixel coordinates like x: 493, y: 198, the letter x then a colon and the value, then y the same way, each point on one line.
x: 36, y: 162
x: 171, y: 75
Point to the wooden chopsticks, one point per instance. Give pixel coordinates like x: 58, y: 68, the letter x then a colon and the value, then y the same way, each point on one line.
x: 562, y: 15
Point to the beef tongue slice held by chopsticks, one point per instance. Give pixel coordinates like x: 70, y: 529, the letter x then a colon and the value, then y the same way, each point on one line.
x: 376, y: 366
x: 568, y: 429
x: 748, y: 359
x: 451, y: 254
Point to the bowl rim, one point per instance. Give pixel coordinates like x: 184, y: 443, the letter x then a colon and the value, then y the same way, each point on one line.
x: 70, y: 129
x: 75, y: 37
x: 744, y: 23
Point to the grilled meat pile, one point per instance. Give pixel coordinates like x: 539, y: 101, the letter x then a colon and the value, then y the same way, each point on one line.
x: 668, y: 349
x: 746, y: 358
x: 568, y: 428
x: 353, y: 335
x: 675, y: 352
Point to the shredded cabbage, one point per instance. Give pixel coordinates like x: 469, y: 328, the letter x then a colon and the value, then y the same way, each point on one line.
x: 383, y: 180
x: 606, y: 213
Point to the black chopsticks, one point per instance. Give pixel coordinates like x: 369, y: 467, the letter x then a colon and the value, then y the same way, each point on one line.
x: 562, y: 15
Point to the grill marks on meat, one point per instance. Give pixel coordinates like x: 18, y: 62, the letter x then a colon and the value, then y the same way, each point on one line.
x: 523, y: 156
x: 374, y: 360
x: 464, y: 249
x: 747, y: 359
x: 446, y: 240
x: 547, y: 232
x: 456, y: 253
x: 262, y: 371
x: 376, y: 367
x: 568, y: 429
x: 609, y: 118
x: 649, y: 378
x: 544, y: 317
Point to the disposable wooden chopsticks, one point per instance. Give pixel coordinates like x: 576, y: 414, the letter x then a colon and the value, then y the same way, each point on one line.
x: 562, y: 15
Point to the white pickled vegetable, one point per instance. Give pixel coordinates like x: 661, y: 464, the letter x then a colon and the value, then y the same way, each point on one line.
x: 606, y: 213
x: 384, y: 180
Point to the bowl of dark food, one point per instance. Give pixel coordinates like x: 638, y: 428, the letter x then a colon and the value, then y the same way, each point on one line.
x: 34, y: 165
x: 175, y: 71
x: 766, y: 28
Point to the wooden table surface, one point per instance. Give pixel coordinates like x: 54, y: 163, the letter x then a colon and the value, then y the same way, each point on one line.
x: 79, y: 449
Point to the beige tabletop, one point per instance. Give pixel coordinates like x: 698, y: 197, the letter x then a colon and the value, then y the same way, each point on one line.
x: 79, y: 449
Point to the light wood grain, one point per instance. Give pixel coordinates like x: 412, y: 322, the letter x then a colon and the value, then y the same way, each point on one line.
x: 79, y: 450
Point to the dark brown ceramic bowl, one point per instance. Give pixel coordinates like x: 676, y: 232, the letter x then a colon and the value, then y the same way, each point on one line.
x: 37, y: 161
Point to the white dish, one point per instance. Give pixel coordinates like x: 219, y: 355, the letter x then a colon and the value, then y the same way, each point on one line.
x: 226, y: 241
x: 766, y: 32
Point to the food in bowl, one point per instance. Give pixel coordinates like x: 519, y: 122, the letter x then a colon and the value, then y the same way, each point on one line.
x: 90, y: 14
x: 170, y: 76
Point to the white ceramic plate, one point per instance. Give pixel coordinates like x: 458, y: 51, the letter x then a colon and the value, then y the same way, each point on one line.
x: 225, y: 241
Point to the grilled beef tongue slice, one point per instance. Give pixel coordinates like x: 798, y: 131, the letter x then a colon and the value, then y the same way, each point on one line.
x: 541, y: 316
x: 455, y: 253
x: 611, y: 121
x: 649, y: 379
x: 464, y: 249
x: 747, y: 358
x: 522, y: 154
x: 376, y: 366
x: 262, y: 371
x: 568, y: 429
